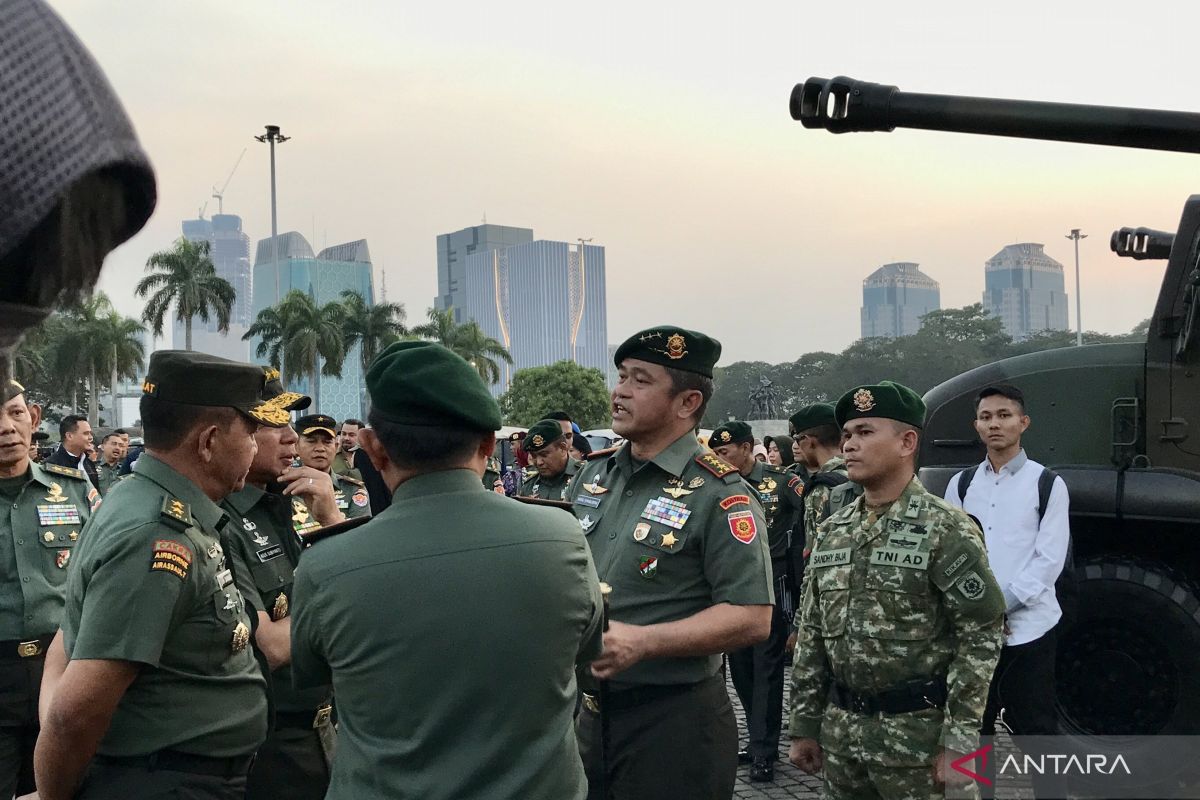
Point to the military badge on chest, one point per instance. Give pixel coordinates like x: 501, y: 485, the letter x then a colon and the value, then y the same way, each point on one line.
x: 302, y: 521
x: 671, y: 513
x: 280, y: 610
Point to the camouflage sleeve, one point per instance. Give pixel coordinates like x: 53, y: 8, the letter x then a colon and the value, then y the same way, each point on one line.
x: 975, y: 607
x: 810, y: 667
x: 814, y: 507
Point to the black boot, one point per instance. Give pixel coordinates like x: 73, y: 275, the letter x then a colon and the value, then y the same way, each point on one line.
x: 763, y: 770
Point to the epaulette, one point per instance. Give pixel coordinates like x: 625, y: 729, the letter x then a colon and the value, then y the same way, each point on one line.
x: 351, y: 481
x: 605, y: 453
x: 70, y: 472
x: 714, y: 465
x: 537, y: 501
x: 309, y: 539
x: 176, y: 513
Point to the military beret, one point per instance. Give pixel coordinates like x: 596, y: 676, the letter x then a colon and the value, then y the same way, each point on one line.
x: 200, y: 379
x: 10, y: 389
x: 885, y: 399
x: 544, y: 433
x: 813, y: 416
x: 734, y: 432
x: 423, y: 383
x: 274, y: 392
x: 678, y: 348
x: 316, y: 423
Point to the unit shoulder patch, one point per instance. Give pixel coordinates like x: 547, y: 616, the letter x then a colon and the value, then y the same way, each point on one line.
x: 171, y: 556
x: 176, y: 513
x: 70, y: 472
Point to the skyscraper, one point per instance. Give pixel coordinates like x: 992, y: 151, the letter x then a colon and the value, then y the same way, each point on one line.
x: 544, y: 301
x: 452, y: 252
x: 323, y: 277
x: 1024, y: 288
x: 895, y: 297
x: 230, y: 253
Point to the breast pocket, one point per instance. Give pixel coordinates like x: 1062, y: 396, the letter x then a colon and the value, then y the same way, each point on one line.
x: 833, y: 599
x: 903, y: 607
x: 58, y: 543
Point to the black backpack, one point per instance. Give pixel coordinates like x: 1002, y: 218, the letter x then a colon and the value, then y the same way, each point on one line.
x: 1066, y: 587
x: 799, y: 538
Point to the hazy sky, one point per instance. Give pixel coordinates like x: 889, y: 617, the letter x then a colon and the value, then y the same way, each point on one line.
x: 660, y: 129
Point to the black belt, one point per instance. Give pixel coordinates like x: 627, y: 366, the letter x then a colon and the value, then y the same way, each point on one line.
x: 622, y: 699
x: 175, y: 761
x: 304, y: 720
x: 911, y: 696
x: 29, y: 648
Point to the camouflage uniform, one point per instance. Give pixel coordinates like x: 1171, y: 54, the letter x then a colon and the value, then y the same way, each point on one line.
x: 905, y: 597
x: 817, y: 497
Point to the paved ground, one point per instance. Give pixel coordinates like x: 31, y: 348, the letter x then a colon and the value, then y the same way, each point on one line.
x: 792, y: 783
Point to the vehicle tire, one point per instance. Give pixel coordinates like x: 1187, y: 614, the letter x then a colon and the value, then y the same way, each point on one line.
x: 1128, y: 664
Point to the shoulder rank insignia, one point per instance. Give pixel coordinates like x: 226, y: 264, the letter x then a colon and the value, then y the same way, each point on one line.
x: 714, y: 465
x: 602, y: 453
x: 350, y: 480
x: 176, y: 511
x: 70, y: 472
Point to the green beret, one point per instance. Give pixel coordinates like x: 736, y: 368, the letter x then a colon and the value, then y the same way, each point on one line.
x: 200, y: 379
x: 316, y: 423
x: 274, y: 392
x: 673, y: 347
x: 423, y: 383
x: 544, y: 433
x: 886, y: 399
x: 734, y: 432
x: 10, y: 389
x: 813, y: 416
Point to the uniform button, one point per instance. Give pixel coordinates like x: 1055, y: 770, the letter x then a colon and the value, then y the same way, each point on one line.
x: 612, y: 536
x: 29, y: 616
x: 628, y: 493
x: 26, y: 580
x: 20, y: 541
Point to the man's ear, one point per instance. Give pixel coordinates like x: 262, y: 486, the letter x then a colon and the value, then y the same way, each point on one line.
x: 206, y: 443
x: 369, y: 442
x: 35, y: 414
x: 487, y: 445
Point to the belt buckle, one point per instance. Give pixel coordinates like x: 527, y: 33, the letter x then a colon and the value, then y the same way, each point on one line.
x: 322, y: 717
x: 591, y: 703
x: 29, y: 649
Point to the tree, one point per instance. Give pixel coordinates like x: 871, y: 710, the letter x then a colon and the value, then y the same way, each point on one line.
x: 440, y: 328
x: 185, y: 276
x: 565, y: 386
x: 371, y: 327
x: 969, y: 324
x: 482, y: 351
x: 302, y: 339
x: 120, y: 350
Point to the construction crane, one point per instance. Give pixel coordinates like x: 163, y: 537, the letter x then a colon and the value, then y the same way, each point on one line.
x: 220, y: 193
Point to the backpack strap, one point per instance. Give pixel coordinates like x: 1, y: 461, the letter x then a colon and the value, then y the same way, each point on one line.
x: 1045, y: 487
x: 964, y: 482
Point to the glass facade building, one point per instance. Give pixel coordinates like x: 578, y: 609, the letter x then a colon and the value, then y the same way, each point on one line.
x: 453, y: 250
x: 1024, y: 288
x: 895, y: 297
x: 230, y: 252
x: 544, y: 301
x: 323, y: 277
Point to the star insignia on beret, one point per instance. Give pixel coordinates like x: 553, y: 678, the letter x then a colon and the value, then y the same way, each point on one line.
x: 863, y: 400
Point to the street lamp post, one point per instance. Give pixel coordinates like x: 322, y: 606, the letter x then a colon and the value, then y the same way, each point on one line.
x: 1076, y: 236
x: 271, y: 137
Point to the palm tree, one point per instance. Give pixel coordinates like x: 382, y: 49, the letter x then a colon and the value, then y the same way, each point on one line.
x: 371, y: 327
x: 96, y: 340
x: 269, y: 326
x: 302, y: 339
x: 186, y: 276
x: 441, y: 327
x: 481, y: 350
x: 119, y: 347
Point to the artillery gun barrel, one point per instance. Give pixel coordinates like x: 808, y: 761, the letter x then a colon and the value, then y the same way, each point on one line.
x: 844, y: 105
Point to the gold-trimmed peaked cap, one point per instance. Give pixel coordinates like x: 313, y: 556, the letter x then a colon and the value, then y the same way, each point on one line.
x: 671, y: 346
x: 886, y: 400
x: 200, y: 379
x: 274, y: 393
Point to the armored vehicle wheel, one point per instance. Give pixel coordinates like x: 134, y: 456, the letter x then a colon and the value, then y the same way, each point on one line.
x: 1130, y: 663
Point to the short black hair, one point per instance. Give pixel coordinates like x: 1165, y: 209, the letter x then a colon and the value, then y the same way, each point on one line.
x: 165, y: 424
x: 69, y: 423
x: 827, y: 435
x: 351, y: 421
x: 1002, y: 390
x: 561, y: 416
x: 581, y: 443
x: 426, y: 448
x: 121, y: 432
x: 682, y: 381
x: 110, y: 435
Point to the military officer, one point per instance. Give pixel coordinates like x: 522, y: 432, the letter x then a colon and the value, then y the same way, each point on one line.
x: 113, y: 449
x: 900, y: 620
x: 45, y: 508
x: 318, y: 439
x: 160, y: 695
x: 816, y: 435
x: 758, y: 671
x: 419, y: 715
x: 294, y: 760
x: 676, y: 533
x: 549, y: 452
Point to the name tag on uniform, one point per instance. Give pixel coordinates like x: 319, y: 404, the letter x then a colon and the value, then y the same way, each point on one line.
x: 588, y: 500
x: 895, y: 557
x: 59, y: 514
x: 829, y: 558
x: 340, y: 497
x: 224, y: 578
x: 267, y: 553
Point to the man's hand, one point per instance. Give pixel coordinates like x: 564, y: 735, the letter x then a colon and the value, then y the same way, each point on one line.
x: 944, y: 774
x: 806, y: 755
x: 790, y: 645
x: 316, y: 489
x: 624, y: 646
x: 498, y: 487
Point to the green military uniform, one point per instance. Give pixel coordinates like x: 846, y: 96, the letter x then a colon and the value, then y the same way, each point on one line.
x: 341, y: 466
x: 673, y: 536
x: 418, y: 715
x: 491, y: 473
x: 351, y: 496
x: 899, y: 633
x: 154, y: 586
x: 107, y: 475
x: 542, y: 435
x: 817, y: 495
x: 44, y: 512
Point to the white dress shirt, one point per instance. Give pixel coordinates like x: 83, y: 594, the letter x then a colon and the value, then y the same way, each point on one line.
x: 1026, y: 555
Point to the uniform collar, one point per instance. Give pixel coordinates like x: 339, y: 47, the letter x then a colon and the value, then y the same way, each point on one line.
x: 757, y: 472
x: 1013, y: 467
x: 835, y: 463
x: 40, y: 475
x: 205, y: 511
x: 441, y: 482
x: 673, y: 459
x: 245, y: 499
x: 572, y: 466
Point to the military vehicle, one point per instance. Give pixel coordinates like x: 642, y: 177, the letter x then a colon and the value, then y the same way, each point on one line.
x: 1114, y: 420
